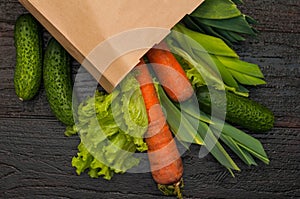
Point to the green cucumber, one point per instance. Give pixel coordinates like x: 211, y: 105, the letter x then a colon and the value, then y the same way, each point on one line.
x: 58, y: 81
x: 28, y: 43
x: 241, y: 111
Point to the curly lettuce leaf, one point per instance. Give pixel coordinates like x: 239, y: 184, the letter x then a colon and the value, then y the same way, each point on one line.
x: 111, y: 128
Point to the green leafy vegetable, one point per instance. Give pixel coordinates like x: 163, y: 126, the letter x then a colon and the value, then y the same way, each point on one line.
x: 236, y: 24
x: 241, y: 66
x: 247, y: 142
x: 211, y: 62
x: 197, y: 129
x: 221, y: 18
x: 217, y: 9
x: 200, y: 73
x: 242, y: 154
x: 111, y: 128
x: 194, y: 40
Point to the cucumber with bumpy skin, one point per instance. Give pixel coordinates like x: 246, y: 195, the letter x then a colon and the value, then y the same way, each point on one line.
x: 58, y: 82
x: 28, y: 43
x: 239, y: 110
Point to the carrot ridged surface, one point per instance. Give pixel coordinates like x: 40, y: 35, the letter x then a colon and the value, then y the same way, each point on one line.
x: 170, y: 73
x: 165, y: 161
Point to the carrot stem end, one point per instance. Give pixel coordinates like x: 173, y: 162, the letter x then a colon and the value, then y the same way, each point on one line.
x: 173, y: 189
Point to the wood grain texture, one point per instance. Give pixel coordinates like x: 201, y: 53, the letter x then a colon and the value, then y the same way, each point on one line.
x: 35, y: 156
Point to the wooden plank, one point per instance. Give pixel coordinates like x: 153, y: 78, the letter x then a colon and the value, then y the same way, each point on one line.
x: 39, y: 159
x: 275, y: 16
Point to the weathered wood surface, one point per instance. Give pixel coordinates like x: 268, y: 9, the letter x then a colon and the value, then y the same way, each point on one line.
x: 35, y: 156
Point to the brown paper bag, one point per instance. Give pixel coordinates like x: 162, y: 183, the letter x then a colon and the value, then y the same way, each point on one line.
x: 108, y: 37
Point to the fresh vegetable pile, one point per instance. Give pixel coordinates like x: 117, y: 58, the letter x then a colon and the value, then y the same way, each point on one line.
x: 188, y: 89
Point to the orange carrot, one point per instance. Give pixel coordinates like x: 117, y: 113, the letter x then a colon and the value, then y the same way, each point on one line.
x: 165, y: 161
x: 170, y: 73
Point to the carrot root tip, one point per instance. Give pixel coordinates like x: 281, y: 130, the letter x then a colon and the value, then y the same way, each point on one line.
x: 173, y: 189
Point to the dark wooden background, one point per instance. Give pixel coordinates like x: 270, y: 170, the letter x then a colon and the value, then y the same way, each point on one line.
x: 35, y: 156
